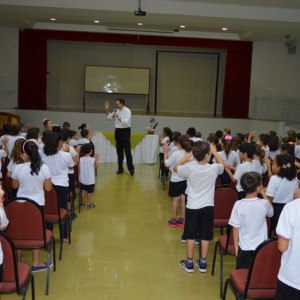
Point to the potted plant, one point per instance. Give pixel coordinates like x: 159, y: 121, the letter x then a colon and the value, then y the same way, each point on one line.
x: 152, y: 126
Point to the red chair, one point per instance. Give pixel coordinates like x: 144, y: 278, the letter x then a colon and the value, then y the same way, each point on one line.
x: 56, y: 215
x: 16, y: 276
x: 226, y: 246
x: 225, y: 197
x: 218, y: 181
x: 27, y: 229
x: 260, y: 280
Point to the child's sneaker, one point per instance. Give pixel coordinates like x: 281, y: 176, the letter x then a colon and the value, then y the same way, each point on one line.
x: 91, y: 205
x: 197, y: 241
x: 183, y: 239
x: 202, y: 266
x: 188, y: 267
x: 172, y: 223
x: 179, y: 223
x: 81, y: 204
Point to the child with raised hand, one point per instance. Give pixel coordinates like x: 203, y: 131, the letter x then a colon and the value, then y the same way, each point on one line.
x: 87, y: 166
x: 248, y: 219
x: 199, y: 213
x: 282, y: 185
x: 288, y: 231
x: 177, y: 184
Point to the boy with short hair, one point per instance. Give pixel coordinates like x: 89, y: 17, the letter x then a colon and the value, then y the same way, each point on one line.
x: 248, y: 219
x: 288, y: 231
x: 199, y: 213
x: 247, y: 151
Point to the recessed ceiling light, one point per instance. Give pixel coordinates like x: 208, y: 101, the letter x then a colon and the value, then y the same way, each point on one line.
x: 52, y: 19
x: 96, y: 21
x: 140, y: 24
x: 182, y: 26
x: 224, y: 28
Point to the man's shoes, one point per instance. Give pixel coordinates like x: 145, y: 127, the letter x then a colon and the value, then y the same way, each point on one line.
x: 188, y: 267
x: 120, y: 171
x: 131, y: 172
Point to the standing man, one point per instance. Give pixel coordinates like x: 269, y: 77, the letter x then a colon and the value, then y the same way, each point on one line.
x: 122, y: 117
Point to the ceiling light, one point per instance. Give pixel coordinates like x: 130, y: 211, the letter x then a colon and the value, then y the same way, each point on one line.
x: 182, y: 26
x: 140, y: 24
x: 96, y: 21
x: 52, y: 19
x: 224, y: 28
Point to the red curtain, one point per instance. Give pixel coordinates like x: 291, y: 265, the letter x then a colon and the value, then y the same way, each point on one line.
x: 237, y: 84
x: 32, y: 73
x: 33, y: 64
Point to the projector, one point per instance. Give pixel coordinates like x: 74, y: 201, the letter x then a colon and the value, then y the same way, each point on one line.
x: 140, y: 13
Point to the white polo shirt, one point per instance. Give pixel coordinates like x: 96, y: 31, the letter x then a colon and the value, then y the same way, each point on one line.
x: 288, y: 228
x: 31, y: 186
x: 249, y: 215
x: 281, y: 189
x: 171, y: 161
x: 200, y: 183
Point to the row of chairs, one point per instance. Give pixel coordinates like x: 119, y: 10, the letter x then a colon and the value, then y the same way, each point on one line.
x: 27, y: 231
x: 259, y: 281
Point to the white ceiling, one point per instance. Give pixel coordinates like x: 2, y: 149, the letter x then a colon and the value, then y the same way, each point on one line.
x: 248, y: 20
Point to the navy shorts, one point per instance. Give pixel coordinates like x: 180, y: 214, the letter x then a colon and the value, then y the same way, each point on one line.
x: 285, y: 291
x: 177, y: 188
x: 199, y: 223
x: 90, y: 188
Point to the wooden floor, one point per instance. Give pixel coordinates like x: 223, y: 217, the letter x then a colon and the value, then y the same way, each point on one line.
x: 123, y: 248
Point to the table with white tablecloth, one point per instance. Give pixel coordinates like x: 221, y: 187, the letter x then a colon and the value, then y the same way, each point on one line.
x: 146, y: 151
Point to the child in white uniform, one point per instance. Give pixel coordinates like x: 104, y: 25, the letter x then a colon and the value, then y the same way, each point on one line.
x: 246, y: 155
x: 31, y: 178
x: 248, y: 219
x: 199, y: 212
x: 177, y: 184
x: 87, y: 166
x: 59, y: 162
x: 288, y: 231
x: 165, y: 138
x: 282, y: 186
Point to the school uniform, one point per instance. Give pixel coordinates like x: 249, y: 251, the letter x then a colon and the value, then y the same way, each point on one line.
x: 289, y: 229
x: 31, y: 186
x: 240, y: 170
x: 249, y: 215
x: 200, y: 198
x: 282, y: 191
x: 177, y: 185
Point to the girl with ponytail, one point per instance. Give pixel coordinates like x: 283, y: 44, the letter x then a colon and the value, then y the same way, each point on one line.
x: 31, y: 178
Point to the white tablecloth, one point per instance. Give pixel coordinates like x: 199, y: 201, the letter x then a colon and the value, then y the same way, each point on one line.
x: 145, y: 152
